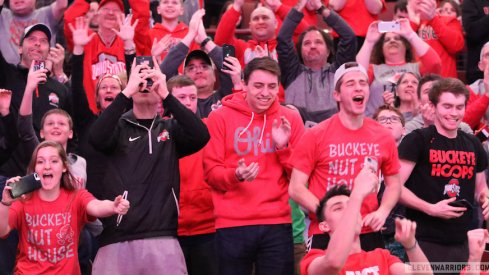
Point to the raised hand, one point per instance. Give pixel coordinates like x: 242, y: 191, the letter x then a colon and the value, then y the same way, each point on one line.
x: 405, y: 232
x: 238, y: 5
x: 126, y: 30
x: 373, y: 34
x: 161, y: 46
x: 405, y: 28
x: 196, y: 21
x: 5, y: 100
x: 426, y: 9
x: 234, y: 70
x: 121, y: 206
x: 272, y: 4
x: 137, y: 79
x: 246, y: 172
x: 80, y: 32
x: 56, y: 57
x: 35, y: 77
x: 261, y: 52
x: 388, y: 98
x: 159, y: 81
x: 366, y: 182
x: 281, y: 132
x: 6, y: 198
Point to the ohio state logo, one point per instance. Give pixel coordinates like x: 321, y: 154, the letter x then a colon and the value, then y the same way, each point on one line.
x: 163, y: 136
x: 452, y: 189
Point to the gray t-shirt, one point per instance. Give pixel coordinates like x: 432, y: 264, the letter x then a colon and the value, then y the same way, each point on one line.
x: 12, y: 27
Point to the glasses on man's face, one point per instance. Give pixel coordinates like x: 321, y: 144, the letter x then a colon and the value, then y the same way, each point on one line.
x: 194, y: 68
x: 391, y: 119
x: 107, y: 10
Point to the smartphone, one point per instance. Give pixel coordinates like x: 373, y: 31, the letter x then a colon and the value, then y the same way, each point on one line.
x: 25, y: 185
x: 38, y: 65
x: 371, y: 162
x: 483, y: 134
x: 389, y: 26
x: 148, y: 60
x: 461, y: 203
x: 227, y: 50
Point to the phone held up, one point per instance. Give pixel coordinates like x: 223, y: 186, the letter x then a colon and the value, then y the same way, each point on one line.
x: 148, y: 60
x: 227, y: 50
x: 389, y: 26
x: 25, y: 185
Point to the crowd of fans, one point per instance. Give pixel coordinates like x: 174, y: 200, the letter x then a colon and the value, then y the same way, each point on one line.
x: 158, y: 149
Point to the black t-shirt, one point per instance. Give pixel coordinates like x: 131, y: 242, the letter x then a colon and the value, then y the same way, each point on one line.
x: 445, y: 168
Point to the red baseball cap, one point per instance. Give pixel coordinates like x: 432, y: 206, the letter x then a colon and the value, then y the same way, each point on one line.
x: 118, y: 2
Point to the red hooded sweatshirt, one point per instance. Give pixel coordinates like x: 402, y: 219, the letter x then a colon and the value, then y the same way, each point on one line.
x: 196, y: 208
x: 238, y: 133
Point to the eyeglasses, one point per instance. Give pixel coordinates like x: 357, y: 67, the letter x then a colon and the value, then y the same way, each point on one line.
x: 193, y: 68
x: 391, y: 119
x: 107, y: 10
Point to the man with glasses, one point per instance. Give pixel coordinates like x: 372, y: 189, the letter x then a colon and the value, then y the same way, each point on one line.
x: 105, y: 49
x: 199, y: 67
x: 443, y: 172
x: 333, y: 152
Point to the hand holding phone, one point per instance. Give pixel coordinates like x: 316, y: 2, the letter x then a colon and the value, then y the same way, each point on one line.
x: 146, y: 60
x: 25, y: 185
x: 227, y: 50
x: 389, y: 26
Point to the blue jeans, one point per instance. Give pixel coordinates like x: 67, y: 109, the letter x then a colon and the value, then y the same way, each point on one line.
x: 269, y: 248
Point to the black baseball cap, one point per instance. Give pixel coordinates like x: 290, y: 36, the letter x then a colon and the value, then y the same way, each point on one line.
x: 197, y: 54
x: 36, y: 27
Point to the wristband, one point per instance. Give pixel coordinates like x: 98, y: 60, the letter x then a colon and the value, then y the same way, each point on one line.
x: 412, y: 247
x: 6, y: 204
x: 205, y: 41
x: 320, y: 10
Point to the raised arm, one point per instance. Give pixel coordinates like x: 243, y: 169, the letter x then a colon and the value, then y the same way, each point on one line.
x: 227, y: 26
x: 374, y: 6
x: 342, y: 238
x: 177, y: 54
x: 288, y: 58
x: 78, y: 9
x: 58, y: 7
x: 373, y: 35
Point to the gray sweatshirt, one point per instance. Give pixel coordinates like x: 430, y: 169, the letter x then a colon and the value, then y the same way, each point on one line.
x: 312, y: 90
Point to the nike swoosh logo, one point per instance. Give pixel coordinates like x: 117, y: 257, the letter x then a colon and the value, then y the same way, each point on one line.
x: 133, y: 139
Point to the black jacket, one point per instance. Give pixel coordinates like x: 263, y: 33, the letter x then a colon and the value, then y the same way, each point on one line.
x: 145, y: 163
x: 49, y: 95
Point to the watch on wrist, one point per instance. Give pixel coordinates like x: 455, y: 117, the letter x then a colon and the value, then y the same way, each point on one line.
x: 205, y: 41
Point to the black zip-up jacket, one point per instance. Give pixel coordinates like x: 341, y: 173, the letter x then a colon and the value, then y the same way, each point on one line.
x: 145, y: 163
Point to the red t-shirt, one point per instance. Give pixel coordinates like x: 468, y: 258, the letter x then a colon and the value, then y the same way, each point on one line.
x: 331, y: 155
x: 377, y: 262
x: 49, y: 232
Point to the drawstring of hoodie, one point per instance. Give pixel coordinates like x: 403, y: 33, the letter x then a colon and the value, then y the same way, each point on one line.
x: 249, y: 124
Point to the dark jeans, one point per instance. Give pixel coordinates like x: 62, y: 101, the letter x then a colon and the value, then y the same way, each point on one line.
x: 269, y: 247
x: 442, y: 253
x: 368, y: 241
x: 8, y: 246
x: 200, y: 254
